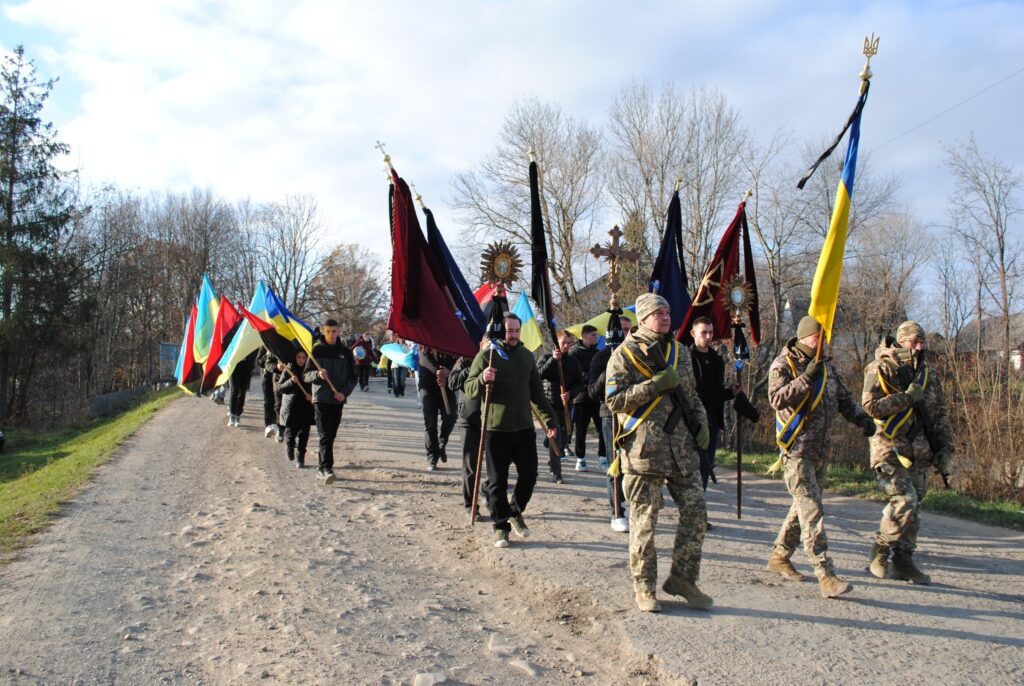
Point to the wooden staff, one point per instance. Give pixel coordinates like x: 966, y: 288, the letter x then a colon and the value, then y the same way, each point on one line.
x: 554, y: 445
x: 615, y: 478
x: 444, y: 394
x: 483, y: 442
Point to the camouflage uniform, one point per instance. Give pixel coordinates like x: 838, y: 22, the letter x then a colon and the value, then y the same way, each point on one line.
x: 804, y: 462
x: 905, y: 486
x: 652, y: 458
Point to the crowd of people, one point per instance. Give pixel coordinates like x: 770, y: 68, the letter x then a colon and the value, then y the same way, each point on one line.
x: 658, y: 410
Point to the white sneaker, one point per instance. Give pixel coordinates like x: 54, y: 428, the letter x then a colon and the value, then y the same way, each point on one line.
x: 280, y: 436
x: 270, y: 430
x: 620, y: 525
x: 231, y: 420
x: 602, y: 463
x: 238, y: 420
x: 581, y: 464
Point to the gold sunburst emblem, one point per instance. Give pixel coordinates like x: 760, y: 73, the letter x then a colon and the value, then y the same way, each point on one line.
x: 500, y: 263
x: 736, y: 295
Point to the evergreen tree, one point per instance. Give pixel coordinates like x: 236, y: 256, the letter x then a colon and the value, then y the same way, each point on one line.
x: 41, y: 277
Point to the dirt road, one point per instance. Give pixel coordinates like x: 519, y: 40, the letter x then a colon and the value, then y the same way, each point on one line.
x: 201, y: 555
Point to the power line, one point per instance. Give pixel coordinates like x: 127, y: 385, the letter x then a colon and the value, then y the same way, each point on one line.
x: 948, y: 109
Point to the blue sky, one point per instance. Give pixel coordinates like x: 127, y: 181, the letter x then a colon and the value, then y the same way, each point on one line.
x: 260, y: 99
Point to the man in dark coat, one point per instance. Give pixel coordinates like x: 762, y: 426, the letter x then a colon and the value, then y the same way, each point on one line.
x: 241, y: 377
x: 469, y: 422
x: 431, y: 382
x: 573, y: 377
x: 332, y: 383
x: 586, y: 410
x: 365, y: 356
x: 709, y: 373
x: 267, y: 362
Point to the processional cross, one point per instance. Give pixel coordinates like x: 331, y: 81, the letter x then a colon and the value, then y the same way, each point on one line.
x: 614, y: 252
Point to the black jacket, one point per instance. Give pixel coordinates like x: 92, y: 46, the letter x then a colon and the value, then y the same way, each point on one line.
x: 597, y: 373
x: 469, y: 408
x: 709, y: 373
x: 340, y: 366
x: 296, y: 411
x: 241, y: 375
x: 574, y: 380
x: 429, y: 361
x: 583, y: 356
x: 267, y: 362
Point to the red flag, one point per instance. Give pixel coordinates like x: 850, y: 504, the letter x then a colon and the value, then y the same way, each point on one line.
x: 188, y: 370
x: 228, y: 321
x: 420, y: 310
x: 711, y: 300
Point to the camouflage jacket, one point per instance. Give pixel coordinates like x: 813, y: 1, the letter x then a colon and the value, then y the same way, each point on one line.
x: 629, y: 392
x: 786, y: 391
x: 909, y: 440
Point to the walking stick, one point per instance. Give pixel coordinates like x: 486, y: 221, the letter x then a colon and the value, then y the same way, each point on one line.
x: 741, y: 352
x: 483, y: 439
x: 565, y: 405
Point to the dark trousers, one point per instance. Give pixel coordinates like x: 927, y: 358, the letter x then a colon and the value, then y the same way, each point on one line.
x: 271, y: 401
x: 296, y: 437
x: 614, y: 482
x: 585, y: 414
x: 432, y: 406
x: 504, y: 449
x: 470, y: 446
x: 554, y: 461
x: 398, y: 375
x: 237, y: 400
x: 707, y: 457
x: 328, y: 418
x: 363, y: 374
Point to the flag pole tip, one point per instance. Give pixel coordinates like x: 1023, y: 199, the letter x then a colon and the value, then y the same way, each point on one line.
x: 679, y: 184
x: 746, y: 196
x: 870, y: 50
x: 532, y: 153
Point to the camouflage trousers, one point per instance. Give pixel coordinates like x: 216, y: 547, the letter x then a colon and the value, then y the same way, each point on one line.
x: 644, y: 493
x: 806, y: 515
x: 901, y: 518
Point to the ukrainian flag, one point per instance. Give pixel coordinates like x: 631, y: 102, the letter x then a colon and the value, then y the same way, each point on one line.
x: 246, y: 339
x: 825, y: 287
x: 207, y: 306
x: 287, y: 324
x: 530, y: 335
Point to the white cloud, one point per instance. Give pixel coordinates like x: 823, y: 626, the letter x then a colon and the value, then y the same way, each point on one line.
x: 263, y: 98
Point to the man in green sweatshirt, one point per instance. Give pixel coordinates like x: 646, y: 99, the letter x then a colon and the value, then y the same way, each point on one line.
x: 511, y: 371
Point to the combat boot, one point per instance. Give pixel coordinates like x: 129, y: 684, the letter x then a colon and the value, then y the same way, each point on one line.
x: 645, y: 600
x: 878, y: 565
x: 903, y: 568
x: 832, y: 586
x: 695, y: 598
x: 783, y: 567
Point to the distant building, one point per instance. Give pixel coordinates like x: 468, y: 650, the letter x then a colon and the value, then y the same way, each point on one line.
x: 991, y: 330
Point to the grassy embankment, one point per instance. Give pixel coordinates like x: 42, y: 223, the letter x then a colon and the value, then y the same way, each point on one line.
x: 42, y: 470
x: 861, y: 483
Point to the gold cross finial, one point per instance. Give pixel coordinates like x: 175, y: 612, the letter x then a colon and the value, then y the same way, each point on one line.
x: 419, y: 198
x: 387, y: 157
x: 613, y: 252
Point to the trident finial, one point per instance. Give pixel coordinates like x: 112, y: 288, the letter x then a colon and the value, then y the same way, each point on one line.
x: 870, y: 50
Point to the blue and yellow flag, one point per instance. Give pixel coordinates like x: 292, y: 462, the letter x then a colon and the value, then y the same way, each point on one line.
x: 246, y: 338
x: 530, y: 336
x: 206, y: 318
x: 825, y: 287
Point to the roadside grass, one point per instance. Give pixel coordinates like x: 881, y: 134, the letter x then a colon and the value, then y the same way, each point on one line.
x: 42, y: 470
x: 861, y: 483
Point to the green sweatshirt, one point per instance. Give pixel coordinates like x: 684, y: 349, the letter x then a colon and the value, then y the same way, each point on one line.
x: 516, y: 384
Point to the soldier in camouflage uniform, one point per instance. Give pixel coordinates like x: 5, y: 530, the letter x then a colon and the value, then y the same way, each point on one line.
x: 647, y: 375
x: 898, y: 384
x: 793, y: 380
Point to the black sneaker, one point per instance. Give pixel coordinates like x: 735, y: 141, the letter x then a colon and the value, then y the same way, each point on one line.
x: 329, y: 477
x: 443, y: 455
x: 300, y: 464
x: 431, y: 466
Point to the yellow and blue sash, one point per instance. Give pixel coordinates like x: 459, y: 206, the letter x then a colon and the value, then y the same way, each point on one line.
x: 892, y: 425
x: 629, y: 421
x: 786, y: 432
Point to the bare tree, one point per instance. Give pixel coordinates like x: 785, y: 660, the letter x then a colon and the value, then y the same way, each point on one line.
x: 494, y: 199
x: 285, y: 242
x: 351, y: 287
x: 985, y: 209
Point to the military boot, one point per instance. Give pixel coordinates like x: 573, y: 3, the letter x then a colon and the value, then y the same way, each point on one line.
x: 879, y: 560
x: 832, y: 586
x: 783, y: 567
x: 645, y: 600
x: 903, y: 568
x: 695, y: 598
